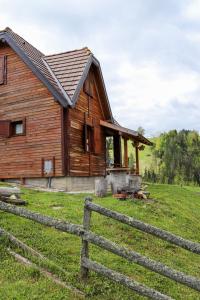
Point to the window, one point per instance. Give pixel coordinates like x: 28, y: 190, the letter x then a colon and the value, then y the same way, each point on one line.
x: 18, y: 127
x: 3, y: 69
x: 88, y: 138
x: 12, y: 128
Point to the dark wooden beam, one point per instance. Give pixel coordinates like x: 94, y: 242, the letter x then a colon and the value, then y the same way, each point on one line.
x: 125, y: 153
x: 137, y: 160
x: 117, y: 150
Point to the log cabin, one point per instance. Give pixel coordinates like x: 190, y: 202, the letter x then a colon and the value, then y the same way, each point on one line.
x: 55, y: 117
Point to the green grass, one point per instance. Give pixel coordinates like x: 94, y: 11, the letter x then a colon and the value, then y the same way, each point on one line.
x: 175, y: 208
x: 145, y: 156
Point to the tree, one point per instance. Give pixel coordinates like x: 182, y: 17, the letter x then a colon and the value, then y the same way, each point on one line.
x: 177, y: 157
x: 141, y: 130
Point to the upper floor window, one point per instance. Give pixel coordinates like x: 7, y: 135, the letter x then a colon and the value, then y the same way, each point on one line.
x: 12, y: 128
x: 3, y: 69
x: 18, y: 127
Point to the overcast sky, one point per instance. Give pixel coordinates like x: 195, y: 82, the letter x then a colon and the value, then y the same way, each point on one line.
x: 149, y: 51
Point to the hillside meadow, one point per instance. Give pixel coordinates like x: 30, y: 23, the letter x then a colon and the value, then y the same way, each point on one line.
x: 173, y: 208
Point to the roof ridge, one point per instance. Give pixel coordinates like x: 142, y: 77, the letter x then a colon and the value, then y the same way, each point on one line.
x: 70, y: 51
x: 5, y: 29
x: 10, y: 32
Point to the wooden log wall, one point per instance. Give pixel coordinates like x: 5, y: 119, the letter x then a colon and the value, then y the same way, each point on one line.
x: 25, y: 96
x: 82, y: 163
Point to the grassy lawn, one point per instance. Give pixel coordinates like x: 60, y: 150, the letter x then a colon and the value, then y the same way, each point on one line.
x: 175, y: 208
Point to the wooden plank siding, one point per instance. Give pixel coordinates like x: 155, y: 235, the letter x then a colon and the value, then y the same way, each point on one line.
x: 25, y: 96
x: 82, y: 163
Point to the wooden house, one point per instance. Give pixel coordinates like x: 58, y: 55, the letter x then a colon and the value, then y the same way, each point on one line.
x: 55, y: 116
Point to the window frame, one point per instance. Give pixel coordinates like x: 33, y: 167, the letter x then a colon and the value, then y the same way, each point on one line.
x: 53, y: 163
x: 15, y: 122
x: 4, y: 69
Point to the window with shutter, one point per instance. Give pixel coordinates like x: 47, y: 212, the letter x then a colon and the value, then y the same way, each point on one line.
x: 88, y: 141
x: 3, y: 69
x: 5, y: 128
x: 18, y: 127
x: 98, y: 145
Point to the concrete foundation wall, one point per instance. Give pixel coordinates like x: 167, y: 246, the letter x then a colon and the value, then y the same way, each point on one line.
x: 115, y: 181
x: 68, y: 184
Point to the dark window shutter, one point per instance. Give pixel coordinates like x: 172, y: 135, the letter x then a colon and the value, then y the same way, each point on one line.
x: 97, y: 140
x: 5, y: 128
x: 2, y: 69
x: 85, y: 138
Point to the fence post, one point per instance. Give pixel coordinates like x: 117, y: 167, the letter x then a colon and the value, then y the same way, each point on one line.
x: 85, y: 244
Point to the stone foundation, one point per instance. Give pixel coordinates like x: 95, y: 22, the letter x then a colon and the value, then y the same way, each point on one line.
x: 67, y: 184
x: 115, y: 181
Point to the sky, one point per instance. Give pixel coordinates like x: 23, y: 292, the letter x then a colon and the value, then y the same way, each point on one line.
x: 149, y: 52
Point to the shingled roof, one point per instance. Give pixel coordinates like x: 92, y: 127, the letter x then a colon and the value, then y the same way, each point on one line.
x: 68, y: 68
x: 34, y: 59
x: 63, y: 73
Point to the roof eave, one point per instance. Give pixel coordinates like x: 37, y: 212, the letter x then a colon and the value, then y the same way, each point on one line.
x: 97, y: 63
x: 60, y: 98
x: 145, y: 140
x: 81, y: 81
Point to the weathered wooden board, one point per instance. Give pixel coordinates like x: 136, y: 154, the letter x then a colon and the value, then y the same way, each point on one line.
x: 86, y: 163
x: 24, y: 96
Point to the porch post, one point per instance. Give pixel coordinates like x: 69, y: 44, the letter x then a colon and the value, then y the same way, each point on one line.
x: 125, y: 152
x: 137, y: 159
x: 117, y: 150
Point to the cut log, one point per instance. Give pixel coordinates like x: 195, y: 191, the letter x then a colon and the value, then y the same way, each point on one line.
x: 11, y: 195
x: 8, y: 191
x: 13, y: 199
x: 101, y: 187
x: 122, y: 196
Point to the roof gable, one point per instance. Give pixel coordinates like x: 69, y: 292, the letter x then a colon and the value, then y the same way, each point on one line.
x: 71, y: 69
x: 63, y: 74
x: 34, y: 59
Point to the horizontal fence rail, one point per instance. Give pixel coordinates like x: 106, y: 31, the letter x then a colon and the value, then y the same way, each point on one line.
x: 160, y: 233
x: 39, y: 218
x: 132, y: 256
x: 141, y: 260
x: 124, y: 280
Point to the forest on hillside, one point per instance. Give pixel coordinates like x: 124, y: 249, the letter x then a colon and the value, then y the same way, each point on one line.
x: 175, y: 158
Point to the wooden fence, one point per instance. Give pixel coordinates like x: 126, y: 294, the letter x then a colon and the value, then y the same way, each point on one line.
x: 132, y: 256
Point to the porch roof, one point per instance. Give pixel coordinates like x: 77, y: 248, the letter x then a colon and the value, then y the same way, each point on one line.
x: 132, y: 134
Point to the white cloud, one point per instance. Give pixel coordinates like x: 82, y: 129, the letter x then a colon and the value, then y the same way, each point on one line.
x: 145, y: 96
x: 192, y: 10
x: 149, y: 51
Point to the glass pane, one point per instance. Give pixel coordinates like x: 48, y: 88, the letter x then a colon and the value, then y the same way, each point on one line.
x: 48, y: 166
x: 19, y: 128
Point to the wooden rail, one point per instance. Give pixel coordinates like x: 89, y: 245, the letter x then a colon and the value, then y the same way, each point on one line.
x: 132, y: 256
x: 160, y: 233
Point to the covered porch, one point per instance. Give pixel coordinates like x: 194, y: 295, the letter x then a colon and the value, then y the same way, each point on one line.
x: 121, y: 136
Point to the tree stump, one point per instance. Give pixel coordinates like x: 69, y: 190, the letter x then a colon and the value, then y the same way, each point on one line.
x: 101, y: 187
